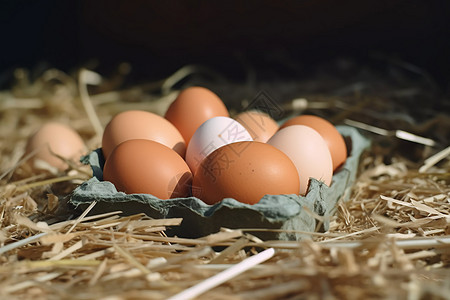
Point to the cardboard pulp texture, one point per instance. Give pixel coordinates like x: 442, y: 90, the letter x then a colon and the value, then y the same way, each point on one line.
x: 291, y: 216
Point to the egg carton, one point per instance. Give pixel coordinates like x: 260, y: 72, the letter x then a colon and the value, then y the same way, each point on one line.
x: 290, y: 215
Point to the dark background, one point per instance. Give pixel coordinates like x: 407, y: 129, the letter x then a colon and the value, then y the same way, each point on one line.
x: 286, y: 37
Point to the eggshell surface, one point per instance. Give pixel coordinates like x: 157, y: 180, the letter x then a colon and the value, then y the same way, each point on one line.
x: 260, y: 125
x: 308, y: 151
x: 57, y: 138
x: 137, y: 124
x: 245, y: 171
x: 192, y: 108
x: 211, y: 135
x: 147, y: 167
x: 329, y: 133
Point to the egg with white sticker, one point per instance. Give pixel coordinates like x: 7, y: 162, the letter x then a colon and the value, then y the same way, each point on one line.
x: 211, y: 135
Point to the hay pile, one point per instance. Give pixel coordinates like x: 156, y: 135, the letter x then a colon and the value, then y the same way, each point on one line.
x: 391, y: 240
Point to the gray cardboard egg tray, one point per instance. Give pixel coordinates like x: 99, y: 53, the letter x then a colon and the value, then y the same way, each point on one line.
x: 289, y: 213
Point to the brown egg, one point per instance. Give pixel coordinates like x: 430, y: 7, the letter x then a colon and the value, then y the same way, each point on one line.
x: 192, y: 107
x: 245, y: 171
x: 138, y: 124
x: 260, y: 125
x: 148, y: 167
x: 57, y: 138
x: 329, y: 133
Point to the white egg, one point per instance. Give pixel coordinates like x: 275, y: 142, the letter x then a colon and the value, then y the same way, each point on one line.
x: 211, y: 135
x: 308, y: 151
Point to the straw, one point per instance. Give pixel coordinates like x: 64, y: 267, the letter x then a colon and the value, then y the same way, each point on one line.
x: 88, y: 77
x: 21, y: 243
x: 432, y: 160
x: 401, y: 134
x: 226, y: 275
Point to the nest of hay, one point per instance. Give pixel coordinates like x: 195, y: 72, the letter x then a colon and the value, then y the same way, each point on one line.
x: 390, y: 240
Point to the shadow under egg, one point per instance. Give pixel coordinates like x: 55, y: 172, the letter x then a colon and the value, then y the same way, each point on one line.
x: 180, y: 185
x: 180, y: 148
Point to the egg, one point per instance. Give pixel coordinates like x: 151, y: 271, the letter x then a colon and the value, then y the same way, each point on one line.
x: 147, y: 167
x: 260, y: 125
x: 329, y: 133
x: 192, y: 108
x: 211, y: 135
x: 58, y: 138
x: 245, y: 171
x: 138, y: 124
x: 308, y: 151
